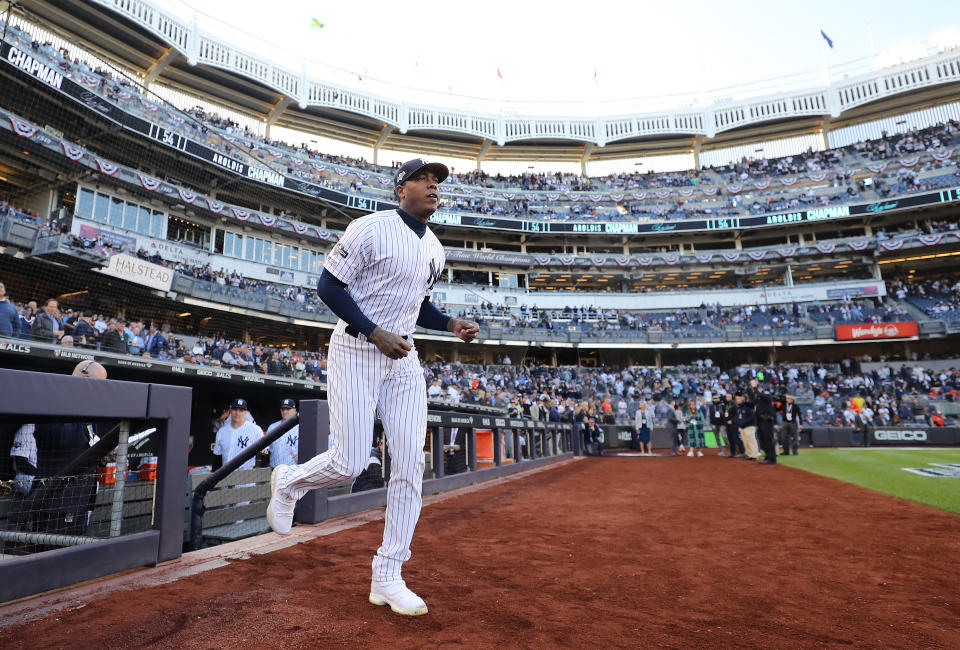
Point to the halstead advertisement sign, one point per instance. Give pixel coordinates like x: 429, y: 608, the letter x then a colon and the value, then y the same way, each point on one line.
x: 868, y: 331
x: 136, y: 270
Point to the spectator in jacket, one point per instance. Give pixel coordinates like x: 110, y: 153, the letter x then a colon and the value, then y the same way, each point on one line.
x: 789, y: 431
x: 9, y: 317
x: 673, y: 424
x: 746, y: 422
x: 643, y: 423
x: 47, y: 326
x: 111, y: 341
x: 154, y: 344
x: 766, y: 415
x: 715, y: 414
x: 83, y: 333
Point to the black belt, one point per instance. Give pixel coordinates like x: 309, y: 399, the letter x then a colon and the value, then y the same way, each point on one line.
x: 355, y: 333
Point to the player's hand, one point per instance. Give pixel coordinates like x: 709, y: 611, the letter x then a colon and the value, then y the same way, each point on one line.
x: 465, y: 330
x: 392, y: 345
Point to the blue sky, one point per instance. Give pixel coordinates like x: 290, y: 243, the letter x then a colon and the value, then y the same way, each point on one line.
x: 547, y: 52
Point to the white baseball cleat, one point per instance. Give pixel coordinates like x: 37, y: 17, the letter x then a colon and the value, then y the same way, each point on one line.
x: 280, y: 508
x: 398, y: 596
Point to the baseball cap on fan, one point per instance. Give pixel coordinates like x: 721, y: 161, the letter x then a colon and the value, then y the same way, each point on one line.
x: 411, y: 167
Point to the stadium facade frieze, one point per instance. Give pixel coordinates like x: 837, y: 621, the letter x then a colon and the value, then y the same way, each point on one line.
x: 258, y: 173
x: 490, y: 122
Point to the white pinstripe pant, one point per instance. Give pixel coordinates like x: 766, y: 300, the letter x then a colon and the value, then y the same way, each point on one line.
x: 362, y: 381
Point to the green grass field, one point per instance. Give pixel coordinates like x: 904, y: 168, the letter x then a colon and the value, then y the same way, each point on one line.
x: 880, y: 470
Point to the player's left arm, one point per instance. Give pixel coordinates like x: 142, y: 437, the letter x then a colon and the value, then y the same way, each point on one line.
x: 432, y: 318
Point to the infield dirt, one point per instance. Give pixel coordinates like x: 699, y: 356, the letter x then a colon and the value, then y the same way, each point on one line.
x: 605, y: 552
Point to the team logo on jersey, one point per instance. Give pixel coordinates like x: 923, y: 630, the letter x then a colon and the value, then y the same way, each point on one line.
x: 435, y: 273
x: 243, y: 441
x: 292, y: 441
x: 339, y: 250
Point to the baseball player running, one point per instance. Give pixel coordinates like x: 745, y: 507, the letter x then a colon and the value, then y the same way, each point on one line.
x: 378, y: 280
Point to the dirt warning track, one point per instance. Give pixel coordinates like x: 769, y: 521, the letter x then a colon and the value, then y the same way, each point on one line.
x: 604, y: 552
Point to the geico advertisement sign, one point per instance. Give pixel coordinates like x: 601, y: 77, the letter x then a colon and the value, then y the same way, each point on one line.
x: 900, y: 435
x: 877, y: 331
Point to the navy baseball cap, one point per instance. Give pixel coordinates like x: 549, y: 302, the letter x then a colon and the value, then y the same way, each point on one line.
x: 240, y: 403
x: 411, y: 167
x: 288, y: 404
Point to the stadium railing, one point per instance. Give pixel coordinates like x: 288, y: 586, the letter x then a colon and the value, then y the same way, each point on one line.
x: 516, y: 445
x: 40, y: 397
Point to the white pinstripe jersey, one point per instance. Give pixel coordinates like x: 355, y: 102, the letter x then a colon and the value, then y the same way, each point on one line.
x: 387, y: 268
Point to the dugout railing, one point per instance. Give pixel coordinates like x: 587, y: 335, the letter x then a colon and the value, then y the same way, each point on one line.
x: 141, y: 524
x: 515, y: 445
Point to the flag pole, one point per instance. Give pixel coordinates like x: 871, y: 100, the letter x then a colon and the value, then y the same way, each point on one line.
x: 823, y: 55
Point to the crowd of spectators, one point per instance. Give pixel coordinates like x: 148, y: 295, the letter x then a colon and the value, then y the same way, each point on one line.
x: 937, y: 296
x: 883, y: 396
x: 829, y: 394
x: 535, y: 195
x: 46, y: 322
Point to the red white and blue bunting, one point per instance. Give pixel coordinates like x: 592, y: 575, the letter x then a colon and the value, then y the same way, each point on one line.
x: 323, y: 234
x: 299, y: 228
x: 596, y: 198
x: 508, y: 195
x: 22, y: 128
x: 756, y: 256
x: 644, y: 261
x: 788, y: 181
x: 709, y: 191
x: 341, y: 171
x: 106, y: 168
x: 72, y: 151
x: 186, y: 195
x: 891, y: 244
x: 704, y: 259
x: 318, y: 166
x: 214, y: 206
x: 932, y: 240
x: 242, y: 215
x: 623, y: 261
x: 267, y: 220
x: 941, y: 156
x: 858, y: 245
x: 685, y: 191
x: 731, y: 257
x: 876, y: 168
x: 787, y: 252
x: 386, y: 181
x: 762, y: 185
x: 639, y: 196
x: 89, y: 81
x: 826, y: 249
x: 150, y: 184
x: 567, y: 260
x: 542, y: 260
x: 598, y: 261
x: 910, y: 161
x: 816, y: 177
x: 735, y: 188
x: 617, y: 197
x: 672, y: 260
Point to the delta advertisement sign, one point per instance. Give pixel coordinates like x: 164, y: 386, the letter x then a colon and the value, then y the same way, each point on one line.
x: 872, y: 331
